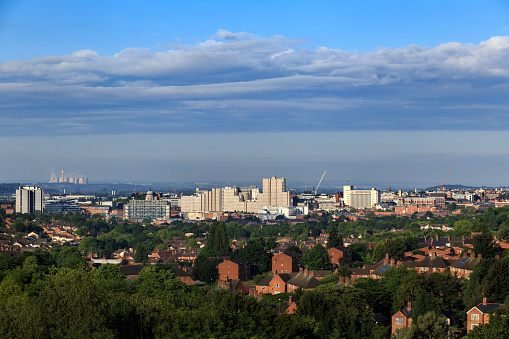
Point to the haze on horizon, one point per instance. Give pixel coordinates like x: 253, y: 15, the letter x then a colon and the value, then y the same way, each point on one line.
x: 164, y: 91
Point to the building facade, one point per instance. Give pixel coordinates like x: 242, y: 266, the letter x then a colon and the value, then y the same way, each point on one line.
x: 29, y: 199
x: 237, y: 199
x: 61, y: 206
x: 360, y: 198
x: 151, y: 208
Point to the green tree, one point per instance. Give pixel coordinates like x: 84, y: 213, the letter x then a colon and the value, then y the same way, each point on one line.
x: 205, y: 269
x: 451, y: 207
x: 494, y: 285
x: 334, y: 239
x: 316, y: 259
x: 141, y: 255
x: 485, y: 245
x: 424, y: 303
x: 293, y: 248
x: 217, y: 241
x: 431, y: 326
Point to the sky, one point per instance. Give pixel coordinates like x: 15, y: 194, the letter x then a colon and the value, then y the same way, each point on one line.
x: 386, y: 91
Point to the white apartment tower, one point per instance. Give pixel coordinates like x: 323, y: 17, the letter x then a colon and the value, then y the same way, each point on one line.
x: 29, y: 199
x: 360, y: 198
x: 274, y: 192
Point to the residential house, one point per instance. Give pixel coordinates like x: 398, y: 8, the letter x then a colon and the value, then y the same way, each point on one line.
x: 285, y: 262
x: 480, y: 314
x: 402, y: 318
x: 235, y: 269
x: 338, y: 254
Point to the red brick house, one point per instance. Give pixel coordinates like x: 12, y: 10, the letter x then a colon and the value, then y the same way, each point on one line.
x: 285, y: 263
x: 402, y: 318
x: 287, y: 282
x: 234, y: 285
x: 336, y: 254
x: 479, y: 315
x: 235, y: 269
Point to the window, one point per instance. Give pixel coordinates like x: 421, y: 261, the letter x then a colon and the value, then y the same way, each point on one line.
x: 399, y: 321
x: 473, y: 325
x: 277, y: 285
x: 474, y: 317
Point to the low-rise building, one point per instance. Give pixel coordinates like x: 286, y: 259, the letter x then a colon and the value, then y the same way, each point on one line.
x: 480, y: 314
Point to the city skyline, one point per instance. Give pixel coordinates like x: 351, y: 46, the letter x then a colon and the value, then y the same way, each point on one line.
x: 159, y: 91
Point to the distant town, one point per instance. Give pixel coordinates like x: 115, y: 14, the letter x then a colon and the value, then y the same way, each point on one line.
x: 405, y: 264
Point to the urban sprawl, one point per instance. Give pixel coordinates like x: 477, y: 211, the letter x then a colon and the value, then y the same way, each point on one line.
x: 242, y: 262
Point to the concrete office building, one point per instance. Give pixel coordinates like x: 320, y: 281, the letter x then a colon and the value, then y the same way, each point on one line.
x: 151, y: 208
x: 29, y: 199
x: 238, y: 199
x: 61, y: 206
x: 360, y: 198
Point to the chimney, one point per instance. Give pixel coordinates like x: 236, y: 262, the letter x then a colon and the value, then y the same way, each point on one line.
x: 290, y: 299
x: 409, y: 305
x: 479, y: 256
x: 436, y: 237
x: 484, y: 301
x: 393, y: 262
x: 472, y: 255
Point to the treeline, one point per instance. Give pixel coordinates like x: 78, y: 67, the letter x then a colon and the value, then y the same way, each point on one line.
x: 56, y: 295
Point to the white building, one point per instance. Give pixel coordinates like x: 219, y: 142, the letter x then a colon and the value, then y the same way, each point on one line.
x: 360, y: 198
x: 29, y: 199
x: 151, y: 208
x: 238, y: 199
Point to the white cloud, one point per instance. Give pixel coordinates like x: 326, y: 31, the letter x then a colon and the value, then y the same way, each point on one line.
x: 238, y: 80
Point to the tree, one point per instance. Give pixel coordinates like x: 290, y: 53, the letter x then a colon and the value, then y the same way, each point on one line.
x: 494, y: 285
x: 316, y: 259
x: 451, y: 207
x: 504, y: 232
x: 485, y: 245
x: 205, y: 269
x: 431, y: 326
x: 344, y: 272
x: 293, y: 248
x: 217, y: 241
x: 141, y: 255
x: 331, y: 278
x: 424, y: 303
x: 334, y: 239
x: 256, y: 253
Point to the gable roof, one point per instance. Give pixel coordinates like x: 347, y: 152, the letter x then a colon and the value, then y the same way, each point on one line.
x: 266, y: 281
x: 304, y: 281
x: 286, y: 276
x: 486, y: 308
x: 131, y: 269
x: 465, y: 263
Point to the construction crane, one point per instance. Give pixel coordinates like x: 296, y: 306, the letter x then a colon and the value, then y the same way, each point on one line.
x: 174, y: 190
x: 316, y: 190
x: 441, y: 187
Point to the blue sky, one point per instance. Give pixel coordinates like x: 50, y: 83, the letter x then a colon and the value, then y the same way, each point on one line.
x: 373, y: 90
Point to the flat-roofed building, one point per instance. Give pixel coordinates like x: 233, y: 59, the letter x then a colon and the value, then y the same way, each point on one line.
x: 29, y: 199
x: 61, y: 206
x: 360, y: 198
x: 150, y: 208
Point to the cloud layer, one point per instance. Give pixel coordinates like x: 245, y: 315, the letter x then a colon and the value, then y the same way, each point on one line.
x: 238, y: 82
